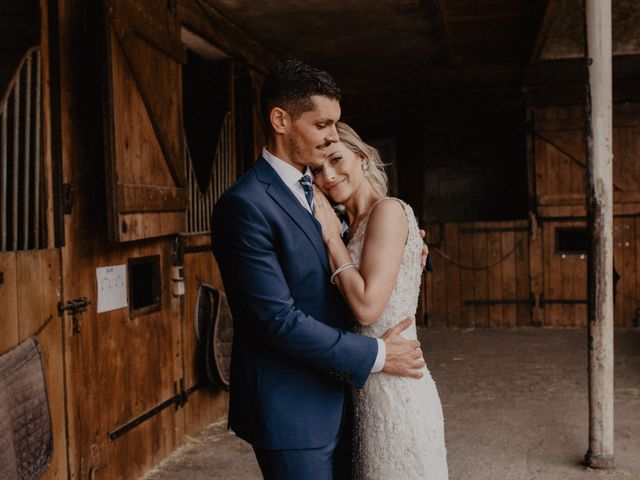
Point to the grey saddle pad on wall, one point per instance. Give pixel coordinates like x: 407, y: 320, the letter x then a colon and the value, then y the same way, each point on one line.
x: 25, y: 425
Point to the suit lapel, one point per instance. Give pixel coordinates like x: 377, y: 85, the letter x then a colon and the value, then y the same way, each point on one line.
x: 285, y: 198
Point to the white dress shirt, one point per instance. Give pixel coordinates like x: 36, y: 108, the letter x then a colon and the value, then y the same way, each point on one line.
x: 291, y: 176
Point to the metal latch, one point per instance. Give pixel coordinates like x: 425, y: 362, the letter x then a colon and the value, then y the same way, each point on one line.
x: 75, y: 306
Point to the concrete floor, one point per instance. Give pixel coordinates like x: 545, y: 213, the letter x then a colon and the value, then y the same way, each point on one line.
x: 515, y: 405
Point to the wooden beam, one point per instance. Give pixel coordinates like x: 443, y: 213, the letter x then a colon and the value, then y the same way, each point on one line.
x: 600, y: 228
x: 543, y: 20
x: 203, y: 19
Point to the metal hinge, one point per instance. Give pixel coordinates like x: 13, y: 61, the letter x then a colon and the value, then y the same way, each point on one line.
x: 75, y: 306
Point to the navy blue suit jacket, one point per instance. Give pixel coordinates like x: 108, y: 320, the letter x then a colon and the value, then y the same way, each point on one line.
x: 290, y: 324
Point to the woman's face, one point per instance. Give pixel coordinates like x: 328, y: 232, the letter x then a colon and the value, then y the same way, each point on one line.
x: 339, y: 174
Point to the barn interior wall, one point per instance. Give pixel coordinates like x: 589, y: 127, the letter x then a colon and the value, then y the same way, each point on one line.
x: 119, y: 366
x: 512, y: 272
x: 30, y: 280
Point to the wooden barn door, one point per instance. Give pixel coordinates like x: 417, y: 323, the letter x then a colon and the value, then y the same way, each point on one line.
x: 146, y: 178
x: 559, y: 172
x: 124, y: 364
x: 30, y: 261
x: 564, y: 295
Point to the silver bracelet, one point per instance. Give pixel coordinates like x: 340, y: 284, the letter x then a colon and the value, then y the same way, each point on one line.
x: 341, y: 269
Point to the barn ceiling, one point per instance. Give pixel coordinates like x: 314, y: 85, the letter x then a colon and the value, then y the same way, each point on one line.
x: 393, y: 57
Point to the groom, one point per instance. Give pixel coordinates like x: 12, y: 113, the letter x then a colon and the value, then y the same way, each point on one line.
x: 292, y: 351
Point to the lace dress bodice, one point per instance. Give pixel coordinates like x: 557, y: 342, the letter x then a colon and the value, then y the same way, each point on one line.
x: 404, y: 298
x: 398, y: 424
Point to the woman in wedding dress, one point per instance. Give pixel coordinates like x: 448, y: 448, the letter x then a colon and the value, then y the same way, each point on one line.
x: 398, y: 423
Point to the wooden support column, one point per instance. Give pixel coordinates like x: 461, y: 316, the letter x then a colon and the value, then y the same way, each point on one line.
x: 600, y: 215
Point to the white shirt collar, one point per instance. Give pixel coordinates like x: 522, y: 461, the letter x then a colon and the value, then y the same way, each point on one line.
x: 289, y: 174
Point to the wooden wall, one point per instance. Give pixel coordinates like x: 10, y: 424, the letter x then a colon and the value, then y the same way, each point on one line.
x: 481, y: 275
x: 29, y: 296
x: 549, y: 286
x: 31, y: 284
x: 120, y: 367
x: 207, y: 402
x: 558, y: 163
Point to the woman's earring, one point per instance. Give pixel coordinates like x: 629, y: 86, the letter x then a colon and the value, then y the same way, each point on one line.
x: 365, y: 169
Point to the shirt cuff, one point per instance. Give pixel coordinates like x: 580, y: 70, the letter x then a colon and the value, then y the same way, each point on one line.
x: 378, y: 365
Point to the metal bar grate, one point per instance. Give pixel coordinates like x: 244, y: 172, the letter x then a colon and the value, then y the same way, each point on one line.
x: 22, y: 218
x: 201, y: 204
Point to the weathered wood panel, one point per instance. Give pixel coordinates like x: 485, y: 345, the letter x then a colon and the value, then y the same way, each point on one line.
x: 559, y: 168
x: 9, y: 324
x: 29, y: 295
x: 207, y: 402
x: 201, y: 18
x: 119, y: 367
x: 481, y: 277
x: 143, y: 124
x: 560, y: 160
x: 562, y: 297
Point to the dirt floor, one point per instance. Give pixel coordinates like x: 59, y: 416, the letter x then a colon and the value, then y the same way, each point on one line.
x: 515, y: 405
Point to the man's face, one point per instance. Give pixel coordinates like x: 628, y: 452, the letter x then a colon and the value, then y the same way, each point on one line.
x: 313, y: 132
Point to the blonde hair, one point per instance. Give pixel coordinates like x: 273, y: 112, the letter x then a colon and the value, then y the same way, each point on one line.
x: 376, y: 175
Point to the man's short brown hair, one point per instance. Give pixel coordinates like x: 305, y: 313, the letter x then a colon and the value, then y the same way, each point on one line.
x: 290, y: 87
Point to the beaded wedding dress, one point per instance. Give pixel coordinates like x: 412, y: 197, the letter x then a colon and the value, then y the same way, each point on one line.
x: 398, y: 423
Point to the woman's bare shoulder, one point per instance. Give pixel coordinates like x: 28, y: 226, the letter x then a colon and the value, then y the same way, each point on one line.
x: 388, y: 213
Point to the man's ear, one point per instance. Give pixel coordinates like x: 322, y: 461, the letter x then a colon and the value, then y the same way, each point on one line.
x: 279, y: 120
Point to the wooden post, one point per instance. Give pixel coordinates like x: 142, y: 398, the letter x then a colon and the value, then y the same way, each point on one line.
x: 600, y: 219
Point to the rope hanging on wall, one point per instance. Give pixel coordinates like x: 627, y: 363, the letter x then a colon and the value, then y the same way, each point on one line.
x: 484, y: 267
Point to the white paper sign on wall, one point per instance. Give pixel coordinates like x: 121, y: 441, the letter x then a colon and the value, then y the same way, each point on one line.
x: 112, y: 287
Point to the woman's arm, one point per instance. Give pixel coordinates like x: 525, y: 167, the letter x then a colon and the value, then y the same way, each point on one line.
x: 368, y: 289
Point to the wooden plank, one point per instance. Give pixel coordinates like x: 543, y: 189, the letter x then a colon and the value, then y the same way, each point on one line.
x: 494, y: 274
x: 152, y: 32
x: 47, y: 158
x: 210, y: 402
x: 575, y: 281
x: 573, y: 149
x: 618, y: 261
x: 625, y: 155
x: 480, y: 276
x: 626, y: 268
x: 52, y: 358
x: 203, y: 19
x: 524, y: 312
x: 134, y: 226
x: 577, y: 123
x: 579, y: 199
x: 438, y: 317
x: 143, y: 138
x: 550, y: 269
x: 509, y: 269
x: 153, y: 84
x: 467, y: 284
x: 536, y: 270
x: 9, y: 301
x: 453, y: 275
x: 31, y: 282
x: 545, y: 183
x: 151, y: 198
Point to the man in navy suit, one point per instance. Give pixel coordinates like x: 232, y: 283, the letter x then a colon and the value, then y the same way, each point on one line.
x: 293, y: 354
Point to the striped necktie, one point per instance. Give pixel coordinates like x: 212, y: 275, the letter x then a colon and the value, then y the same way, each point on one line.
x: 307, y: 186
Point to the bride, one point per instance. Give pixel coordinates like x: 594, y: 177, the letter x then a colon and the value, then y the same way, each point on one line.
x: 398, y: 423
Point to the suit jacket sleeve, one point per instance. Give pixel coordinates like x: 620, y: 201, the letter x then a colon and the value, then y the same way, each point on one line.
x: 244, y: 247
